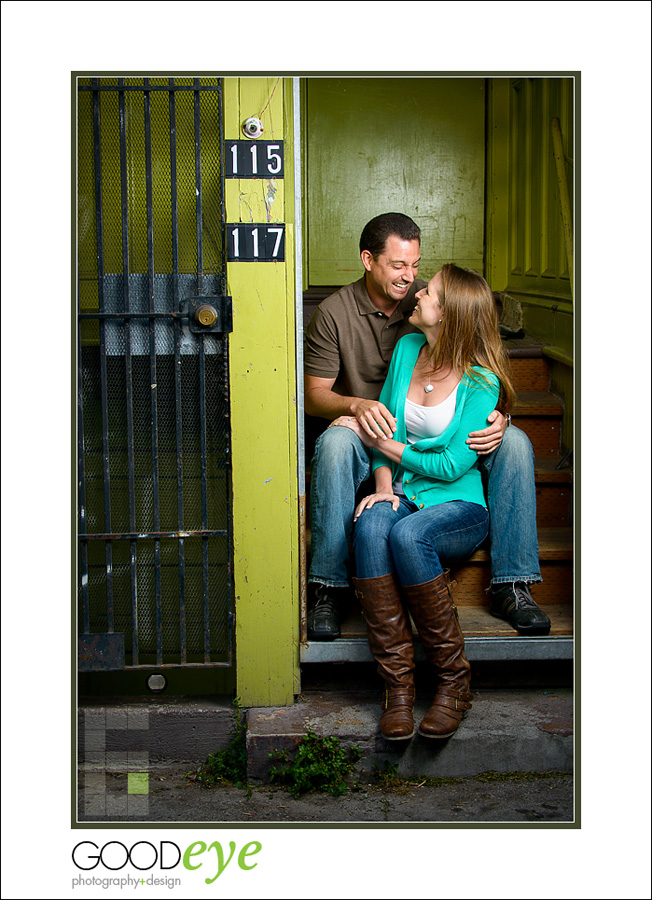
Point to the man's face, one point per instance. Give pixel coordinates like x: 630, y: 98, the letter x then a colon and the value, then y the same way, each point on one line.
x: 389, y: 277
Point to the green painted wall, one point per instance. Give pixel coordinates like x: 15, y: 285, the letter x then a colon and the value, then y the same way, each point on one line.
x: 526, y: 253
x: 411, y: 145
x: 526, y: 250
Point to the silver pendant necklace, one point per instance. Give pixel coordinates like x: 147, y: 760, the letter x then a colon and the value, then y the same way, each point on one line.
x: 428, y: 387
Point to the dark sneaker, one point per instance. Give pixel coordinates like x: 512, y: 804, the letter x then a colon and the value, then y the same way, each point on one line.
x: 513, y: 602
x: 323, y: 612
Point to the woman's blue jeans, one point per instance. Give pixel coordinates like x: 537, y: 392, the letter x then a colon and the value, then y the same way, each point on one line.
x: 341, y: 464
x: 416, y: 543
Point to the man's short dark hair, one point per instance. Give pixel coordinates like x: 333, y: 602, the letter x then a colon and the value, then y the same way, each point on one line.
x: 375, y: 233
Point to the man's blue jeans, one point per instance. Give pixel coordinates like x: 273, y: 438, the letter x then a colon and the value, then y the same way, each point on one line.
x: 341, y: 463
x: 417, y: 543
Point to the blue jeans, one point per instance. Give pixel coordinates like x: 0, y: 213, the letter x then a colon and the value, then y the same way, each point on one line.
x: 342, y: 463
x: 417, y: 543
x: 508, y: 474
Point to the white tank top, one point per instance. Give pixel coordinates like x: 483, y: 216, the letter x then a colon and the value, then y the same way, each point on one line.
x: 425, y: 422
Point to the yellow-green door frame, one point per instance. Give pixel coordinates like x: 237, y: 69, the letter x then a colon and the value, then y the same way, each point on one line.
x: 263, y: 382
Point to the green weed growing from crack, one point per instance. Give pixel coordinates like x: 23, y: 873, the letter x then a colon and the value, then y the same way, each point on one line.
x: 229, y: 765
x: 320, y: 764
x: 388, y: 778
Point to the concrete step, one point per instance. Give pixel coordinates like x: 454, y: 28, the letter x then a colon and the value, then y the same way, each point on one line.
x: 505, y: 731
x: 135, y: 734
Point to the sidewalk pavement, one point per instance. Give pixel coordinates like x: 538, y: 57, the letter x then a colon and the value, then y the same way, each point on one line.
x: 130, y: 745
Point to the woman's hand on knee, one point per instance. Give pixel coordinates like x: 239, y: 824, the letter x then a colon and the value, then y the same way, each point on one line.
x: 379, y: 497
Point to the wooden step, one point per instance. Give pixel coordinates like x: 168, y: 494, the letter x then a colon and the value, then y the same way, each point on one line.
x: 554, y: 501
x: 473, y: 584
x: 555, y: 544
x: 537, y: 403
x: 554, y: 492
x: 538, y: 414
x: 530, y: 374
x: 552, y: 470
x: 555, y: 560
x: 554, y: 506
x: 475, y: 622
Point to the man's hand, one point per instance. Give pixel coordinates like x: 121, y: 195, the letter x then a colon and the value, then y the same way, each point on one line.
x: 374, y: 418
x: 352, y: 423
x: 489, y: 439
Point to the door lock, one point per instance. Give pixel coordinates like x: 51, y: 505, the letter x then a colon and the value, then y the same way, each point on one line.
x: 206, y: 315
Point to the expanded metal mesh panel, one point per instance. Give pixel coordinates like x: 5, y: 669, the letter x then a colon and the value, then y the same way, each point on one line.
x: 172, y: 515
x: 154, y: 458
x: 188, y: 118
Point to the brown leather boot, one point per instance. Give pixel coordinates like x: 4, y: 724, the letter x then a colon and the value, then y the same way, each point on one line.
x: 390, y: 642
x: 435, y: 617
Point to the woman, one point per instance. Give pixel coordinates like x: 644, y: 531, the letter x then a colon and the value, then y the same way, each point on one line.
x: 428, y: 509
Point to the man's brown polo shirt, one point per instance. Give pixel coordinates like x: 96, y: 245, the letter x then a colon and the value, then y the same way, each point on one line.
x: 352, y: 341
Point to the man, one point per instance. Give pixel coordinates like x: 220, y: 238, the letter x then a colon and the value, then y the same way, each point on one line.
x: 349, y: 344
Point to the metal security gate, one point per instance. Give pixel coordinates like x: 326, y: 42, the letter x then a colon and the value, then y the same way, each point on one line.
x: 153, y: 391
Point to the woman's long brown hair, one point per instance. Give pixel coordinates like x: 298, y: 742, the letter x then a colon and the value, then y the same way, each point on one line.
x: 469, y: 334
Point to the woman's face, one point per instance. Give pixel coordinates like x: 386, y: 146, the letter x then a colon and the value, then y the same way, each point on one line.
x: 427, y: 313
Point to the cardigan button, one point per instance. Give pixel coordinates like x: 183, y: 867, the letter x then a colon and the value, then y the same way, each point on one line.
x: 421, y: 506
x: 413, y: 498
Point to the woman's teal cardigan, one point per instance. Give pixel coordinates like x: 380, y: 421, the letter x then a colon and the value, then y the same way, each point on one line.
x: 444, y: 468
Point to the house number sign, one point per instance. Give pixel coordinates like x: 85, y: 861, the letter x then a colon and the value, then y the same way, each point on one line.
x: 255, y: 243
x: 251, y: 242
x: 253, y: 159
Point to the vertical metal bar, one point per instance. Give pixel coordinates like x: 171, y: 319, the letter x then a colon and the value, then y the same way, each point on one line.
x: 222, y: 185
x: 177, y: 372
x: 152, y: 372
x: 106, y: 474
x: 202, y: 372
x: 129, y: 384
x: 81, y: 476
x: 204, y: 492
x: 198, y: 190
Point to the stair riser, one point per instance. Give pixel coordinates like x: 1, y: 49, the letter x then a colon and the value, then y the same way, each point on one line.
x: 473, y: 581
x: 530, y: 374
x: 543, y: 432
x: 553, y: 506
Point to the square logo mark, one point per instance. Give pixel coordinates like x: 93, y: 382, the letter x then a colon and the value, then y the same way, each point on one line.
x: 138, y: 783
